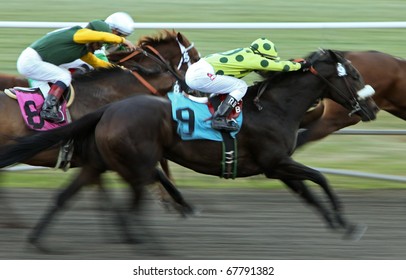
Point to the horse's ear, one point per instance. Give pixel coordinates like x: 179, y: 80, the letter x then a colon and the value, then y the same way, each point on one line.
x: 336, y: 55
x: 316, y: 55
x: 179, y: 36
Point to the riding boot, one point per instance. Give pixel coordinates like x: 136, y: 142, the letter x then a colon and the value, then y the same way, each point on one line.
x: 50, y: 109
x: 220, y: 121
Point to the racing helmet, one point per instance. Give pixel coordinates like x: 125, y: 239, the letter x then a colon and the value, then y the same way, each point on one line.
x: 99, y: 25
x: 122, y: 22
x: 265, y: 48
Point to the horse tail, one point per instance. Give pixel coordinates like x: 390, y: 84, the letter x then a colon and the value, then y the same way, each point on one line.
x: 29, y: 146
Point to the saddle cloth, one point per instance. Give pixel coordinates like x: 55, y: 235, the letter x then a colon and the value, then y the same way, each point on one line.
x: 30, y: 102
x: 194, y: 119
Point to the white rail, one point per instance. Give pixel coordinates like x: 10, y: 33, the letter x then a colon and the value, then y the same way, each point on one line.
x: 218, y: 25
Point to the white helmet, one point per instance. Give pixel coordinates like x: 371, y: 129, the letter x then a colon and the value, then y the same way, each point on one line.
x: 122, y: 22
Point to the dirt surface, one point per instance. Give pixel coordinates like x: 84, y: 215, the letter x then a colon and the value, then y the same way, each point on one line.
x: 233, y: 224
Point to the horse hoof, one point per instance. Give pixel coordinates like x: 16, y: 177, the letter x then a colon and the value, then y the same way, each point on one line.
x: 34, y: 242
x: 355, y: 232
x: 189, y: 211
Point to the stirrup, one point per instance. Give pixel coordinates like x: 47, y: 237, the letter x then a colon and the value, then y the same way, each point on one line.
x: 54, y: 117
x: 224, y: 124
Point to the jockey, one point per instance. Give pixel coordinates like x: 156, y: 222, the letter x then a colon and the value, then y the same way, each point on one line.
x: 221, y: 73
x: 42, y: 59
x: 121, y: 24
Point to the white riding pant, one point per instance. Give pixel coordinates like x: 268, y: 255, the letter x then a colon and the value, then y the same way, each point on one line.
x: 31, y: 65
x: 202, y: 77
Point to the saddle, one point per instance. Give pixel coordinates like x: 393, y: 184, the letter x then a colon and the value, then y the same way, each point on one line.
x: 30, y: 101
x: 69, y: 95
x: 193, y: 115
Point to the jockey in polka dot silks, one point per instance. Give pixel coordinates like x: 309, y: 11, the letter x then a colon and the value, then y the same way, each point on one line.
x: 221, y: 73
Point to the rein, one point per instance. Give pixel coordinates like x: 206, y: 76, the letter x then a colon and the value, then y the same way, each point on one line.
x: 342, y: 73
x: 160, y: 60
x: 145, y: 83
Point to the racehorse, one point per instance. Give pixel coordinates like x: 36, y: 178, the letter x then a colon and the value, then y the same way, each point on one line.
x: 169, y: 52
x: 132, y: 135
x: 8, y: 81
x: 384, y: 72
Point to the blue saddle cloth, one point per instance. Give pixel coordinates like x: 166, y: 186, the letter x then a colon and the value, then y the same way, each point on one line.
x: 194, y: 119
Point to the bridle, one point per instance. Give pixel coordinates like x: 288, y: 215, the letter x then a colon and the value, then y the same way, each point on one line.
x: 154, y: 54
x: 342, y: 72
x: 341, y: 63
x: 184, y: 58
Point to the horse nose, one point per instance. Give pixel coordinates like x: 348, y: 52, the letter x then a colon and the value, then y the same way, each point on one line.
x: 374, y: 110
x: 365, y: 92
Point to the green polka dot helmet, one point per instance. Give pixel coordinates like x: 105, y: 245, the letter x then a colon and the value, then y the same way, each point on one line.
x: 265, y: 48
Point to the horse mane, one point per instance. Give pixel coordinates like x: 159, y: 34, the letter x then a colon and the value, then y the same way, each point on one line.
x: 98, y: 74
x: 161, y: 37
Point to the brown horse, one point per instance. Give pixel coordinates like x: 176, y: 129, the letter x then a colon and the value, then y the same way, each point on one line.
x: 385, y: 73
x: 172, y: 53
x: 9, y: 81
x: 132, y: 135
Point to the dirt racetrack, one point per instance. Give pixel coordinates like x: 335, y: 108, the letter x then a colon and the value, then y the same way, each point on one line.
x: 233, y: 224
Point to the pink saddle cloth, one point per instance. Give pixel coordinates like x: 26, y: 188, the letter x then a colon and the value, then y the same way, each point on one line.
x: 30, y: 104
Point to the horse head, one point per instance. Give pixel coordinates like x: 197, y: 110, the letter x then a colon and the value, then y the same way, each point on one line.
x: 345, y: 84
x: 167, y: 51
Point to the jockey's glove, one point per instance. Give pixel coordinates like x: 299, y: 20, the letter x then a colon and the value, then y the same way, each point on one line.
x: 305, y: 65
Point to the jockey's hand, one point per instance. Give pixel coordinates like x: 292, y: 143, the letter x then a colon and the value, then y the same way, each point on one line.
x: 305, y: 65
x: 130, y: 46
x: 122, y: 67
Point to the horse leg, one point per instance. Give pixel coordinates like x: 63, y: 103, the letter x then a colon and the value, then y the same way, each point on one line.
x: 166, y: 199
x: 174, y: 193
x: 59, y: 202
x: 144, y: 234
x: 121, y: 219
x: 292, y: 170
x: 334, y: 118
x: 10, y: 219
x: 86, y: 176
x: 300, y: 188
x: 289, y: 170
x: 312, y: 115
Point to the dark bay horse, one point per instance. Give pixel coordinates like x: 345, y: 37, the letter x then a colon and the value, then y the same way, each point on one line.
x: 97, y: 88
x: 132, y: 135
x: 384, y: 72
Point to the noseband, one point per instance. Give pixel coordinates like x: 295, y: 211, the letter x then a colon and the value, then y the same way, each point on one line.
x: 353, y: 101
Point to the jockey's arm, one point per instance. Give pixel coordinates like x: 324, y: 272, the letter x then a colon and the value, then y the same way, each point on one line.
x: 260, y: 63
x: 84, y: 36
x: 94, y: 61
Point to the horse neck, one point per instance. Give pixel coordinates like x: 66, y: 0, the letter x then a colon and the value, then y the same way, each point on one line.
x: 170, y: 52
x: 292, y: 97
